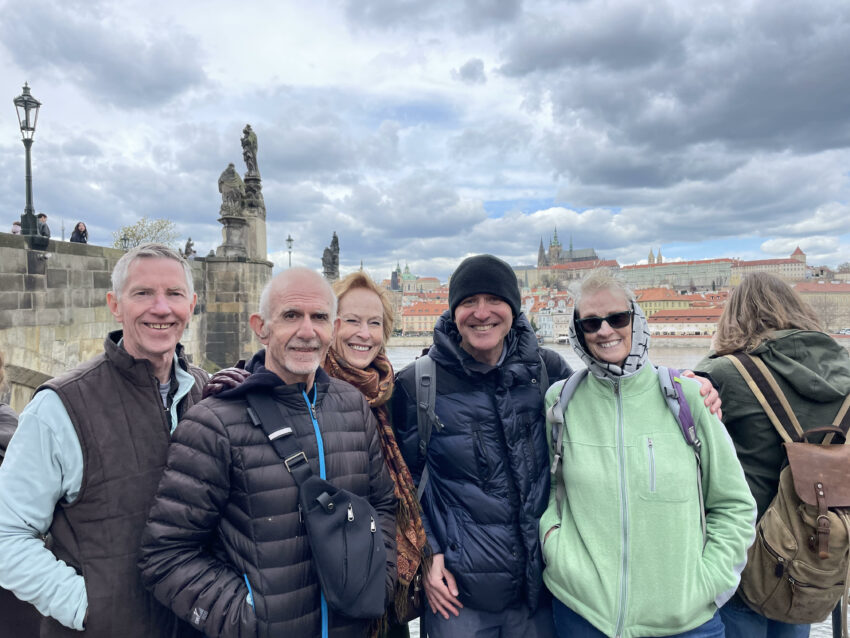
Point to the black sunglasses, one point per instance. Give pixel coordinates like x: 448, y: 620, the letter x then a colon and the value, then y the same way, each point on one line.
x: 589, y: 325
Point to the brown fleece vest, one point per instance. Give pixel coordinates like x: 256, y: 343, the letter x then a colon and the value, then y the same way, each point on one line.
x: 116, y: 408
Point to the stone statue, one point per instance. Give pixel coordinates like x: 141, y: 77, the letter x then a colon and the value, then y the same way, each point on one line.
x: 249, y: 150
x: 189, y: 249
x: 232, y: 190
x: 330, y: 260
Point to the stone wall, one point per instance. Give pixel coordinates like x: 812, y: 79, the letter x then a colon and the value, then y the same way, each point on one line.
x: 53, y: 312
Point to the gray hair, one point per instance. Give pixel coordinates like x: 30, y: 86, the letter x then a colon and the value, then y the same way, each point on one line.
x: 284, y: 277
x: 601, y: 279
x: 148, y: 251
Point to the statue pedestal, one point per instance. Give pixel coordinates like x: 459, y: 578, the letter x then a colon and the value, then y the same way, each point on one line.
x: 255, y: 212
x: 233, y: 234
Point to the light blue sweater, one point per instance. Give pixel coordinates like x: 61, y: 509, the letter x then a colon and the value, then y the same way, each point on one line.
x: 43, y: 466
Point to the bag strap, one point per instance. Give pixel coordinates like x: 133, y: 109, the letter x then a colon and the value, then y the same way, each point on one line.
x: 763, y: 385
x: 555, y: 419
x: 263, y: 412
x: 543, y: 382
x: 671, y: 388
x: 426, y: 418
x: 765, y: 388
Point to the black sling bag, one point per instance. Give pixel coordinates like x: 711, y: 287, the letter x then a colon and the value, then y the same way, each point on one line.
x: 348, y: 550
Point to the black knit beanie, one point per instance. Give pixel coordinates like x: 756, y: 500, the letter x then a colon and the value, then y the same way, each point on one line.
x: 484, y: 274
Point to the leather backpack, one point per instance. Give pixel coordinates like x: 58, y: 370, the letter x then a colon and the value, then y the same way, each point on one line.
x: 798, y: 567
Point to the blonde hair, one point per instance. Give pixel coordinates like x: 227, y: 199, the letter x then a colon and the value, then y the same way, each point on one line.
x: 360, y: 279
x: 761, y: 304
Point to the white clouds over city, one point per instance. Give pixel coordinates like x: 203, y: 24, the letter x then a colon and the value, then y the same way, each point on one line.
x: 424, y: 131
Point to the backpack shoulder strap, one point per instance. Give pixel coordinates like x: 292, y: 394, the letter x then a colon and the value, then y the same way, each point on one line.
x: 544, y: 380
x: 265, y: 415
x: 671, y: 388
x: 555, y: 417
x: 426, y: 418
x: 763, y: 385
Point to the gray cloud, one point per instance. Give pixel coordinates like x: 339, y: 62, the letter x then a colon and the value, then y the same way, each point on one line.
x: 101, y: 54
x: 411, y: 14
x: 471, y: 72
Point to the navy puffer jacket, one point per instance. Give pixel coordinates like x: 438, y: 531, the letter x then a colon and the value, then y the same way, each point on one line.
x: 489, y: 466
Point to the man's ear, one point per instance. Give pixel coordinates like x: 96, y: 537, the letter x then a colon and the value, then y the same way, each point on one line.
x: 259, y: 327
x: 112, y: 303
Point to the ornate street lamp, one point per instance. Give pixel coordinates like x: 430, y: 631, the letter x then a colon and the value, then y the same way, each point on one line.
x: 125, y: 243
x: 289, y: 241
x: 27, y: 107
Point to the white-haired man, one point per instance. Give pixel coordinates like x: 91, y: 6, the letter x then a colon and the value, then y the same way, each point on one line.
x: 87, y: 456
x: 226, y: 488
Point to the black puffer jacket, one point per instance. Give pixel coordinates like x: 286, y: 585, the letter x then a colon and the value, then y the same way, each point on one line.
x: 226, y: 510
x: 489, y: 466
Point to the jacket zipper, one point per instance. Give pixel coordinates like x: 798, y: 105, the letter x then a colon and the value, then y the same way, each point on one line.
x: 311, y: 409
x: 624, y: 513
x: 651, y: 451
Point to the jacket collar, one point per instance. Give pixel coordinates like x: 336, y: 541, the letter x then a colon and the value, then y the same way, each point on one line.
x: 138, y: 371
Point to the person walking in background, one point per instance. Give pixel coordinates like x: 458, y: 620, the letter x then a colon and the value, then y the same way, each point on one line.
x: 16, y: 227
x: 625, y: 551
x: 86, y: 458
x: 43, y: 228
x: 80, y: 235
x: 765, y: 317
x: 17, y: 617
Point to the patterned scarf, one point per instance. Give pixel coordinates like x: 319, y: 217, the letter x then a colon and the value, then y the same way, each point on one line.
x: 636, y: 358
x: 376, y: 384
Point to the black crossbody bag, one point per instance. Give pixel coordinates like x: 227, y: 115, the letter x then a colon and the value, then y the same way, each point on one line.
x: 348, y: 549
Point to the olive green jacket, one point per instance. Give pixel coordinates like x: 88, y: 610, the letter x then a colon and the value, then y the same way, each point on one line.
x: 813, y: 371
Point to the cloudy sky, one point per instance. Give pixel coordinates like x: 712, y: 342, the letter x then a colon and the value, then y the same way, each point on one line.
x: 422, y: 132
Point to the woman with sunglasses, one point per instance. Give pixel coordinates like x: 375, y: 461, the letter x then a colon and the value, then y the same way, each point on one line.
x: 625, y: 553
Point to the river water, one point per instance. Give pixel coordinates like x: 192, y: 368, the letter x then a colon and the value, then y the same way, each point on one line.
x: 671, y: 356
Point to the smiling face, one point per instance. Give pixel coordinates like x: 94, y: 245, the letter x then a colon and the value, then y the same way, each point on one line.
x: 298, y: 330
x: 483, y: 322
x: 153, y: 309
x: 608, y: 344
x: 359, y: 327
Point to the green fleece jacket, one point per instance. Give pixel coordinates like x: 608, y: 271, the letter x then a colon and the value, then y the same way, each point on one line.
x: 626, y: 553
x: 813, y: 371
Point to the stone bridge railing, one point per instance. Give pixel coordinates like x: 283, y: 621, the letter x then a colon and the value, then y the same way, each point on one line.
x: 53, y: 312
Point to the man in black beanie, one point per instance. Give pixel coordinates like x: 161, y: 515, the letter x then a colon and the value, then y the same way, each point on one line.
x: 487, y: 459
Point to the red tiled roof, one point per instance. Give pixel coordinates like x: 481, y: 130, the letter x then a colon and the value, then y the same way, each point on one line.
x: 687, y: 314
x: 583, y: 265
x: 427, y: 309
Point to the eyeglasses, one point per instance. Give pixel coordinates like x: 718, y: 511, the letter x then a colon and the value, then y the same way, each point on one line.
x: 589, y: 325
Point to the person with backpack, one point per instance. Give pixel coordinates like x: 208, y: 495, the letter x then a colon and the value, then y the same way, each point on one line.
x: 641, y: 536
x: 766, y: 318
x: 486, y: 459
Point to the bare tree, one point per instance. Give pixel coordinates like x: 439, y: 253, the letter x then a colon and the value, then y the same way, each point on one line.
x: 161, y: 231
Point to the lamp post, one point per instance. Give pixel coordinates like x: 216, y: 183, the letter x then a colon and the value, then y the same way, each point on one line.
x: 125, y: 243
x: 289, y: 241
x: 27, y: 107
